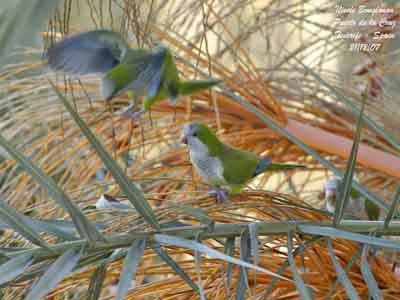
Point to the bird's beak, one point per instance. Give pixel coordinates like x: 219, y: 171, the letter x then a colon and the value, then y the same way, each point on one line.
x: 183, y: 139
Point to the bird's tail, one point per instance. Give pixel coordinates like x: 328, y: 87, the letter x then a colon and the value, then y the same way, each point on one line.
x: 284, y: 167
x: 265, y: 164
x: 193, y: 86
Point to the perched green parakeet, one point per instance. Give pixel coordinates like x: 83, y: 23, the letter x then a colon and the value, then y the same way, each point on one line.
x: 224, y: 166
x: 357, y: 205
x: 151, y: 73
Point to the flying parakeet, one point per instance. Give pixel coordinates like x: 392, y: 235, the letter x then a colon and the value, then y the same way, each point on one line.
x: 224, y: 166
x: 150, y: 73
x: 357, y: 205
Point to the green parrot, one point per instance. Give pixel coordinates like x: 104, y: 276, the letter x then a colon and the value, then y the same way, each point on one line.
x: 150, y: 73
x: 357, y: 205
x: 224, y: 166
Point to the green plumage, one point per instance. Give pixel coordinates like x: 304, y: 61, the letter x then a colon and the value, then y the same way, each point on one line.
x: 128, y: 70
x: 151, y: 73
x: 372, y: 210
x: 241, y: 166
x: 223, y: 165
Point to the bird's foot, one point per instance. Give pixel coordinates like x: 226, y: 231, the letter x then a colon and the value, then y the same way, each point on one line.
x: 221, y: 194
x: 130, y: 114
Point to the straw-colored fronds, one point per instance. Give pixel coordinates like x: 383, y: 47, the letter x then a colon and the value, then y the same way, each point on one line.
x: 288, y: 92
x: 155, y: 279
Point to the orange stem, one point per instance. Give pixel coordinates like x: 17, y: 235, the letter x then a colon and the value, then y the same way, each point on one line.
x: 325, y: 141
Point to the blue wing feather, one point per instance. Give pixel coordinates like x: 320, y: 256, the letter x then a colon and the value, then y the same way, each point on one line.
x: 262, y: 165
x: 149, y: 73
x: 90, y: 52
x: 154, y: 86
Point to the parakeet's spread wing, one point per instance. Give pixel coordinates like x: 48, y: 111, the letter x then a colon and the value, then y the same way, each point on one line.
x: 147, y: 71
x: 91, y: 52
x: 140, y: 70
x: 239, y: 166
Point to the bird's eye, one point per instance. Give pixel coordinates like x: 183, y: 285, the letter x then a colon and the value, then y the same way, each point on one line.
x: 194, y: 133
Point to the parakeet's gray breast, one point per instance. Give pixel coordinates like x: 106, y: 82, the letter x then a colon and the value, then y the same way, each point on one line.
x: 209, y: 167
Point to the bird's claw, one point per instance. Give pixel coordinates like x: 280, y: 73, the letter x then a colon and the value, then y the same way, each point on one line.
x: 130, y: 114
x: 222, y: 195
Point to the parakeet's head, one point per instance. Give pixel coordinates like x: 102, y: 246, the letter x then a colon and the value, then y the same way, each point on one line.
x: 331, y: 192
x: 200, y: 138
